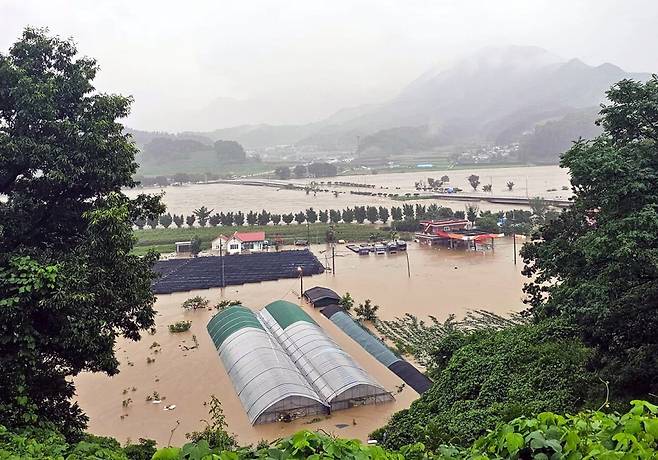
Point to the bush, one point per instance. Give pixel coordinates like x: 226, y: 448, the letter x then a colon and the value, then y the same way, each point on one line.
x: 180, y: 326
x: 594, y: 435
x: 195, y: 303
x: 484, y: 377
x: 142, y: 451
x: 222, y: 304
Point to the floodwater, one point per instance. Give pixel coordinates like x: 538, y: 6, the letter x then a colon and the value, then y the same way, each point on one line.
x: 529, y: 182
x: 442, y: 282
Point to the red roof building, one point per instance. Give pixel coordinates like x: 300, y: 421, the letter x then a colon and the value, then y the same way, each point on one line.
x: 239, y: 242
x: 453, y: 233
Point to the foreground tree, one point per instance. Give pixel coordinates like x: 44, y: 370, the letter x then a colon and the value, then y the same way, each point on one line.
x: 597, y: 263
x: 252, y: 218
x: 311, y: 216
x: 69, y: 285
x: 214, y: 220
x: 300, y: 217
x: 383, y: 214
x: 264, y: 217
x: 347, y: 216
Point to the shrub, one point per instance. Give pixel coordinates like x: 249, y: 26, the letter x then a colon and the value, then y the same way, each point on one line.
x: 222, y: 304
x: 180, y: 326
x: 195, y: 303
x: 488, y: 376
x: 144, y: 450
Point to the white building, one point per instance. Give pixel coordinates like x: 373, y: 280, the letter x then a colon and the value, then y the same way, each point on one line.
x: 239, y: 242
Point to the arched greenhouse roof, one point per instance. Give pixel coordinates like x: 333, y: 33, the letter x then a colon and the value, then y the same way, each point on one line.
x: 330, y: 370
x: 286, y: 313
x: 230, y: 320
x: 266, y: 380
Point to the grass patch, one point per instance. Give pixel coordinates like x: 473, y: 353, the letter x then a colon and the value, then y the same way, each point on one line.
x: 163, y: 239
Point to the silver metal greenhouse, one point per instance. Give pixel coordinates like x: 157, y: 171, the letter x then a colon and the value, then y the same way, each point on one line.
x: 266, y: 380
x: 335, y: 376
x: 284, y: 366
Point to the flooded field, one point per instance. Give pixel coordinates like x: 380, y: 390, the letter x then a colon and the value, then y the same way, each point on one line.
x: 442, y: 282
x: 227, y: 197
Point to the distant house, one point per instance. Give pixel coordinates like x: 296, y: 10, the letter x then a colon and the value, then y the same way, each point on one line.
x: 239, y: 242
x: 183, y: 247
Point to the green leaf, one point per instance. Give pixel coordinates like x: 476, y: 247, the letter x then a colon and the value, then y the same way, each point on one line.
x: 514, y: 442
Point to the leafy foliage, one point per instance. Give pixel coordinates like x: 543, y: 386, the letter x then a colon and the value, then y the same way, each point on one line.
x: 214, y: 434
x: 418, y: 337
x: 65, y: 262
x: 586, y: 435
x: 487, y: 376
x: 196, y: 302
x: 346, y: 301
x: 597, y: 263
x: 366, y: 311
x: 474, y: 180
x: 180, y: 326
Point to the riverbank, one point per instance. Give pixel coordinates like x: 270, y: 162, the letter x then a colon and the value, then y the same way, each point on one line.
x: 163, y: 239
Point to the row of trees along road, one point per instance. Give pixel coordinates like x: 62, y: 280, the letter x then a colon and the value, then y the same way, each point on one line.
x: 404, y: 218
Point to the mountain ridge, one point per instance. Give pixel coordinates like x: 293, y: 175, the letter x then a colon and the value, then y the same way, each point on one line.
x: 496, y: 93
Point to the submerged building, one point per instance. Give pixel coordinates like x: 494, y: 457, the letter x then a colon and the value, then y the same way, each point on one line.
x: 339, y: 381
x: 266, y: 380
x: 284, y: 366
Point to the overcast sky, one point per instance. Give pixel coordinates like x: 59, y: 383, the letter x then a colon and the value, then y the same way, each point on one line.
x: 296, y: 61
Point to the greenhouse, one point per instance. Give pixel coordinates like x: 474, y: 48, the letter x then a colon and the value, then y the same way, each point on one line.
x: 373, y: 345
x: 335, y: 376
x: 268, y: 383
x: 369, y: 342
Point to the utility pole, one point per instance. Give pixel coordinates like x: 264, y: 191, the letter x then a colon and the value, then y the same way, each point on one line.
x: 333, y: 258
x: 221, y: 258
x: 301, y: 281
x: 406, y: 253
x: 514, y: 237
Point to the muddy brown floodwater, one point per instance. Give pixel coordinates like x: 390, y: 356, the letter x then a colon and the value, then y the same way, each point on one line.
x: 529, y: 181
x: 442, y: 282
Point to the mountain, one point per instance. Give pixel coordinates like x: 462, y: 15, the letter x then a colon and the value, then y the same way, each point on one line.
x: 497, y: 92
x: 497, y: 95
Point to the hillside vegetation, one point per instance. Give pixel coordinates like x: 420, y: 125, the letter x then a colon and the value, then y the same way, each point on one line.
x: 586, y: 435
